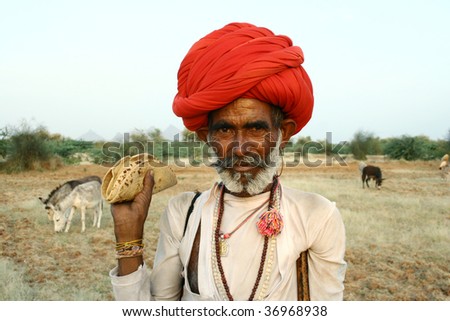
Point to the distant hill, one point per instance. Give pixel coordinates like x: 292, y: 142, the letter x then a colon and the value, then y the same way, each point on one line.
x: 118, y: 138
x: 91, y: 136
x: 171, y: 132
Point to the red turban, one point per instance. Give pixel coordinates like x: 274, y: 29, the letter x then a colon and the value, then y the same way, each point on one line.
x: 242, y: 61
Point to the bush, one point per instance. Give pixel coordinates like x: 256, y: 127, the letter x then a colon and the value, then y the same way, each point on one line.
x: 28, y: 148
x: 66, y: 148
x: 363, y: 144
x: 414, y: 148
x: 305, y: 146
x: 3, y: 142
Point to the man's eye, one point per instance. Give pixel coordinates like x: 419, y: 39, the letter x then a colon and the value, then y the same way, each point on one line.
x: 258, y: 129
x: 224, y: 130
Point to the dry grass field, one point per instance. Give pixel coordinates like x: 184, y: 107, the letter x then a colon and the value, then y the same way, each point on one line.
x: 397, y: 238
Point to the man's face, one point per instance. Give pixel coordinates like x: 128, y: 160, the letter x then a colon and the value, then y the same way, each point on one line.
x: 247, y: 145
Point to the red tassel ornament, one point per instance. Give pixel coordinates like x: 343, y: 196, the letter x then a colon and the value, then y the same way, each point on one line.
x: 270, y: 223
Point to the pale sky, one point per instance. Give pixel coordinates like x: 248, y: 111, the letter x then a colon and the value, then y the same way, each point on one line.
x: 110, y: 66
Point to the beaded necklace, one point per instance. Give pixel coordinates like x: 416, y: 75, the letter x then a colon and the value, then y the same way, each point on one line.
x: 223, y: 237
x: 269, y: 225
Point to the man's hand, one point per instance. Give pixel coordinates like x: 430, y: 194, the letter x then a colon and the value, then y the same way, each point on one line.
x: 129, y: 219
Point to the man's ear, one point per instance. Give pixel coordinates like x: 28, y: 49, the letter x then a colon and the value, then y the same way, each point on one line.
x: 202, y: 133
x: 288, y: 127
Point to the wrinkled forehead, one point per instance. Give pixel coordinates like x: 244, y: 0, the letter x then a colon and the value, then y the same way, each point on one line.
x: 244, y: 110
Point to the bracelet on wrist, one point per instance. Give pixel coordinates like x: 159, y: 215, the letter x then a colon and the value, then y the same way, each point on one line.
x: 129, y: 249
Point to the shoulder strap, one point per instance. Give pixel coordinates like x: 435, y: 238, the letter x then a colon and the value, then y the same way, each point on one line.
x: 190, y: 210
x: 192, y: 269
x: 302, y: 277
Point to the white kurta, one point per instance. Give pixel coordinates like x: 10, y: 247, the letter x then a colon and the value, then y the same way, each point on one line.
x: 310, y: 222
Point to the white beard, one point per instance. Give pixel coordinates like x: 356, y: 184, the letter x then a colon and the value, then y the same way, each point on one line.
x: 254, y: 185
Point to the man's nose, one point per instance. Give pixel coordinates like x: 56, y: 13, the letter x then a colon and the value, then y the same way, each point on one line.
x: 242, y: 145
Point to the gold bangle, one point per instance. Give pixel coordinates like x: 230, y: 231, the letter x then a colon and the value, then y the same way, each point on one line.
x: 132, y: 252
x: 129, y: 249
x: 127, y: 244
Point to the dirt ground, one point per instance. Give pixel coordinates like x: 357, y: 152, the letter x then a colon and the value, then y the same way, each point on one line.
x: 72, y: 266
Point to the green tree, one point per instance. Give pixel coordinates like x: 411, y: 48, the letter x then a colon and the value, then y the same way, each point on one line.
x: 66, y: 147
x: 363, y: 144
x: 446, y: 143
x: 4, y: 141
x: 156, y: 135
x: 156, y: 144
x: 300, y: 146
x: 413, y: 148
x: 29, y: 147
x: 188, y: 136
x: 139, y: 136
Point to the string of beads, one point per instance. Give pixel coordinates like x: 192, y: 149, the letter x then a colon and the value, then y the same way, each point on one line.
x: 218, y: 270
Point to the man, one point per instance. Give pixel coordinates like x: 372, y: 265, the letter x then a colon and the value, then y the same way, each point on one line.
x: 243, y: 90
